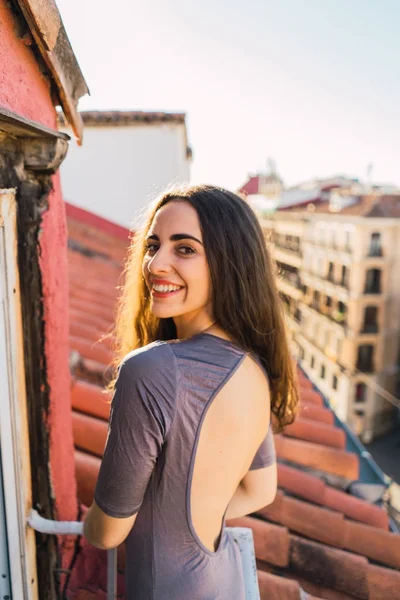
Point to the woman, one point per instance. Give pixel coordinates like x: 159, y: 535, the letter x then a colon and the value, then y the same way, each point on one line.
x: 205, y: 362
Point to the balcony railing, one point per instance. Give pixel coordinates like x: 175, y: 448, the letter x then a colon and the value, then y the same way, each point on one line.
x: 365, y: 366
x: 292, y: 278
x: 375, y: 251
x: 370, y: 328
x: 372, y: 289
x: 294, y: 249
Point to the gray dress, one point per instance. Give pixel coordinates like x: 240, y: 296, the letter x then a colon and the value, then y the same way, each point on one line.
x: 162, y: 395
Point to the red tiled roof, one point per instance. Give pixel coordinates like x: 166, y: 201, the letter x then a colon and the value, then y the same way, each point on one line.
x: 315, y: 538
x: 251, y: 186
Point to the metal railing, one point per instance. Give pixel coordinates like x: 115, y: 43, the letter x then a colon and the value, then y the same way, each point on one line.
x: 38, y: 523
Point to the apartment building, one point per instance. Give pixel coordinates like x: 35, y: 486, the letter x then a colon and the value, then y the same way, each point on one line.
x: 339, y: 277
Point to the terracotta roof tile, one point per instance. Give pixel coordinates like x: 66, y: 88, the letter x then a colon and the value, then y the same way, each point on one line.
x: 317, y: 456
x: 277, y: 588
x: 90, y: 399
x: 271, y: 542
x: 93, y: 443
x: 383, y: 583
x: 310, y: 396
x: 311, y: 488
x: 379, y: 545
x: 86, y: 469
x: 330, y: 527
x: 316, y: 413
x: 321, y: 433
x: 91, y: 350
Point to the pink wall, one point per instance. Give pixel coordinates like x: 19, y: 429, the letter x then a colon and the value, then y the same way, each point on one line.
x: 53, y: 262
x: 23, y: 88
x: 25, y: 91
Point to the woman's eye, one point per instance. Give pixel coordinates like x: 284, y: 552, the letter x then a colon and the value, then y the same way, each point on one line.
x: 151, y: 248
x: 186, y: 250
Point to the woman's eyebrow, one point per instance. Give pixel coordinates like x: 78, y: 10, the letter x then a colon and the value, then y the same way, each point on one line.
x: 176, y: 237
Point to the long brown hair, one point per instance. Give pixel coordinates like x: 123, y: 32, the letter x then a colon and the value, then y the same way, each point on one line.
x: 245, y: 300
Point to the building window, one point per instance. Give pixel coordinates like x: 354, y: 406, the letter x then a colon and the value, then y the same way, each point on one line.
x: 328, y: 301
x: 297, y: 315
x: 375, y: 247
x: 316, y: 299
x: 370, y: 320
x: 341, y: 313
x: 301, y: 353
x: 360, y: 395
x: 373, y: 281
x: 335, y: 382
x: 322, y: 372
x: 312, y: 362
x: 344, y: 279
x: 365, y: 357
x: 330, y: 271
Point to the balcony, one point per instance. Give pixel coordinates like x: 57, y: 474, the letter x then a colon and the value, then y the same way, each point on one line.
x: 292, y: 248
x: 370, y: 328
x: 375, y: 252
x: 365, y: 358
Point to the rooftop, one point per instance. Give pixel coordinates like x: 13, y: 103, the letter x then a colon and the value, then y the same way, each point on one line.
x: 47, y: 30
x: 326, y: 535
x: 121, y: 118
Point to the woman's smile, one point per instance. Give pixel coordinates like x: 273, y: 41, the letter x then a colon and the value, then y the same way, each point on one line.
x: 161, y: 288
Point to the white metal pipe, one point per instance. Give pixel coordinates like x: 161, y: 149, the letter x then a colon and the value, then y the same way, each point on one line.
x: 43, y: 525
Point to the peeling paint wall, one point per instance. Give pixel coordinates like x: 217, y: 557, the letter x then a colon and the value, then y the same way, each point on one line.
x: 53, y: 264
x: 25, y: 90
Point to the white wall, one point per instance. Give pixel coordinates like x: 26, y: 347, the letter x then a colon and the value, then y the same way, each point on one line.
x: 119, y: 169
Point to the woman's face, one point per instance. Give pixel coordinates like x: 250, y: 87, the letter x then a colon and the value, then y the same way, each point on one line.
x: 175, y: 268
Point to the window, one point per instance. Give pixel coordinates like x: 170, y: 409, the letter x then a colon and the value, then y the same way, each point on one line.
x: 370, y: 320
x: 344, y: 279
x: 316, y: 299
x: 360, y: 394
x: 322, y: 372
x: 328, y: 301
x: 312, y: 362
x: 301, y: 353
x: 365, y: 357
x: 335, y: 382
x: 330, y: 271
x: 373, y: 281
x: 375, y: 248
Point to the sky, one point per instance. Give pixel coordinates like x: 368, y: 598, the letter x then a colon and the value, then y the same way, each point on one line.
x: 314, y: 84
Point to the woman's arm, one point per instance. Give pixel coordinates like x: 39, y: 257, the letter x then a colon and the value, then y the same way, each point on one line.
x: 256, y: 490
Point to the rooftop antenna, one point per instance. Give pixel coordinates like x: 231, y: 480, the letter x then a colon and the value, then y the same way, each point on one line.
x: 271, y: 164
x: 368, y: 183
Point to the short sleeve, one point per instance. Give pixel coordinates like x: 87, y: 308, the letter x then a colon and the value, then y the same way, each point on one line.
x: 141, y: 414
x: 266, y: 454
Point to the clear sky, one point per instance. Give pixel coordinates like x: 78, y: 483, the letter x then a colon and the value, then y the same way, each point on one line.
x: 315, y: 84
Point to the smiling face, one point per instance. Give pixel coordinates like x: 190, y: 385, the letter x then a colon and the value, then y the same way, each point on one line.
x: 175, y: 269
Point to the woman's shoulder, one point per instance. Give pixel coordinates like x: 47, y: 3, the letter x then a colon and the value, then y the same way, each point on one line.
x: 155, y: 358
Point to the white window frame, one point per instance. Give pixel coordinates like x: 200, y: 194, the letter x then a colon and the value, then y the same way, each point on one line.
x: 14, y: 432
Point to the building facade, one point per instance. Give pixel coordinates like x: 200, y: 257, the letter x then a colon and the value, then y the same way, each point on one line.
x: 338, y: 278
x: 127, y: 159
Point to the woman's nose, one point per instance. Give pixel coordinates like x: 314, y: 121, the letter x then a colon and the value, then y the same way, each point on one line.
x: 160, y: 262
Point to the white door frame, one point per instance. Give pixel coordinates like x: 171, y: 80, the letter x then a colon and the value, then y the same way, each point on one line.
x: 14, y: 432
